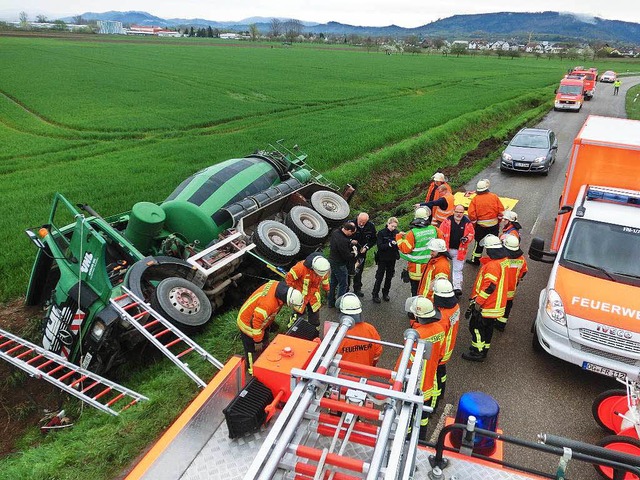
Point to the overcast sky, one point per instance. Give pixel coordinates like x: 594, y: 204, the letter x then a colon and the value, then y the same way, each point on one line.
x: 405, y: 13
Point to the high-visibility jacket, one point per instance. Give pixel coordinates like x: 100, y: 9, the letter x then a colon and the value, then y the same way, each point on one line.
x: 361, y: 351
x: 511, y: 229
x: 308, y: 282
x: 434, y: 334
x: 485, y: 209
x: 450, y: 322
x: 515, y: 272
x: 490, y: 289
x: 469, y: 232
x: 413, y: 248
x: 432, y: 191
x: 438, y: 215
x: 438, y: 267
x: 259, y: 310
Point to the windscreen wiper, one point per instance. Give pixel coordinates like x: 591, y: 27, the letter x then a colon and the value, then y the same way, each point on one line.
x: 599, y: 269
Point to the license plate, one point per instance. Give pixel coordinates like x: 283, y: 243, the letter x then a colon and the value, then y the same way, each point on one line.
x: 592, y: 367
x: 520, y: 164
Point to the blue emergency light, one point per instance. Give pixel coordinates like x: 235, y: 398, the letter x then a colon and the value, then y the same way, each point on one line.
x: 612, y: 196
x: 485, y: 408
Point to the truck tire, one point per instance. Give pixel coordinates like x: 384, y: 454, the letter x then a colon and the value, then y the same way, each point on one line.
x: 307, y: 224
x: 182, y: 303
x: 606, y: 405
x: 276, y: 242
x: 618, y: 443
x: 331, y: 206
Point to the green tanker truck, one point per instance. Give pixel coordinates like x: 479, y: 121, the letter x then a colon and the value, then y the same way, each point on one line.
x: 180, y: 257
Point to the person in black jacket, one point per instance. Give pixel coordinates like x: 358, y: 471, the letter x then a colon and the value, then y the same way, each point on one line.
x: 365, y: 235
x: 386, y: 256
x: 341, y: 255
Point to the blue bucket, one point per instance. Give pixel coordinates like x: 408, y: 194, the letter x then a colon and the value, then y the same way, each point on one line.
x: 485, y: 408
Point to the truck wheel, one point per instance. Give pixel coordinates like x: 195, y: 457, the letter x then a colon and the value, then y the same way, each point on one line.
x: 276, y: 242
x: 622, y: 444
x: 606, y: 405
x: 331, y: 206
x: 182, y: 303
x: 307, y: 224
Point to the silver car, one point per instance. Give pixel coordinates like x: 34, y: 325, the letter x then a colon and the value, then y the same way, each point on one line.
x: 531, y: 150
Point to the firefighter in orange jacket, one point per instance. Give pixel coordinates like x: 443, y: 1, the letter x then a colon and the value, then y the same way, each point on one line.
x: 358, y: 351
x: 309, y: 276
x: 515, y: 273
x: 439, y: 266
x: 485, y: 211
x: 445, y: 300
x: 458, y: 233
x: 442, y: 206
x: 509, y: 224
x: 413, y: 246
x: 258, y: 313
x: 425, y: 319
x: 437, y: 180
x: 488, y: 300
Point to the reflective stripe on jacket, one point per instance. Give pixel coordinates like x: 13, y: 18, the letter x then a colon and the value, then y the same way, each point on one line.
x: 438, y: 214
x: 259, y: 310
x: 413, y: 245
x: 308, y: 282
x: 490, y: 289
x: 438, y: 267
x: 485, y: 209
x: 450, y: 321
x: 517, y: 268
x: 434, y: 334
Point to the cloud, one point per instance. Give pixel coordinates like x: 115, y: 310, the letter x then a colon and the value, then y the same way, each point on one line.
x: 582, y: 17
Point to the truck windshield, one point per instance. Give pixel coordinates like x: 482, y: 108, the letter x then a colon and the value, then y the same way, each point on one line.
x: 570, y: 89
x: 609, y: 249
x: 530, y: 141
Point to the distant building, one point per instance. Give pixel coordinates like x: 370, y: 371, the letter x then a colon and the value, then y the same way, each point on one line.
x: 229, y: 36
x: 110, y: 27
x: 157, y: 31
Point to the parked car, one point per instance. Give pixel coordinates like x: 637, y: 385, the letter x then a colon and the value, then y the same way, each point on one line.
x: 531, y: 150
x: 608, y: 77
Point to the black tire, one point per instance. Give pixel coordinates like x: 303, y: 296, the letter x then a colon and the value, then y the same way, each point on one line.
x: 605, y: 396
x: 182, y: 303
x: 331, y: 206
x: 276, y: 242
x: 628, y: 445
x: 307, y: 224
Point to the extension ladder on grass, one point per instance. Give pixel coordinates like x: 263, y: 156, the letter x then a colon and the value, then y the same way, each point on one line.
x: 89, y: 387
x: 161, y: 333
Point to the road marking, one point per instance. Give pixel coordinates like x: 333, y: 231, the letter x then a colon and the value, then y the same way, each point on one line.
x: 535, y: 224
x: 446, y: 412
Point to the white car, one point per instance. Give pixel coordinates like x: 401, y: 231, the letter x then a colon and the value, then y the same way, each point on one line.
x: 608, y: 77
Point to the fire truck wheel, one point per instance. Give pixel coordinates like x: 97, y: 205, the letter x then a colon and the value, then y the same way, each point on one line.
x: 604, y: 407
x: 182, y: 303
x: 276, y: 242
x: 331, y: 206
x: 307, y: 224
x: 618, y: 443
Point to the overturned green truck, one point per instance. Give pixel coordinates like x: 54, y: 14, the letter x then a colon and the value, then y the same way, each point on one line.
x: 181, y: 257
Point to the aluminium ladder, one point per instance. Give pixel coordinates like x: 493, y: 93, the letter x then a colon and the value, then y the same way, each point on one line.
x: 87, y: 386
x: 161, y: 333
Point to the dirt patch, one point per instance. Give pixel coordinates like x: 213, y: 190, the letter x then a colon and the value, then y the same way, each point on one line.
x: 23, y: 400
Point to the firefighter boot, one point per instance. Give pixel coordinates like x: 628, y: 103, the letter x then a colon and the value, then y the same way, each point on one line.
x: 474, y: 356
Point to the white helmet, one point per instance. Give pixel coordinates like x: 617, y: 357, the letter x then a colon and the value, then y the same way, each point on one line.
x: 510, y: 215
x: 295, y: 299
x: 443, y: 288
x: 511, y: 242
x: 439, y: 177
x: 420, y: 306
x: 422, y: 212
x: 320, y: 265
x: 482, y: 185
x: 491, y: 241
x: 349, y: 304
x: 437, y: 245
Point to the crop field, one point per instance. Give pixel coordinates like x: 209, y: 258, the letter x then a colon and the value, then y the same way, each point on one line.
x: 110, y: 124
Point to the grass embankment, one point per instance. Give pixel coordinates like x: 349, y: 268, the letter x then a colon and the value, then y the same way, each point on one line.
x: 633, y: 102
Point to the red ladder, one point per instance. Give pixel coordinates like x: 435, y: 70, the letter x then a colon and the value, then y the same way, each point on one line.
x: 89, y: 387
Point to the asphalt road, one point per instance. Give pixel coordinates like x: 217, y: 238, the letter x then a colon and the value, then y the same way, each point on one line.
x: 537, y: 393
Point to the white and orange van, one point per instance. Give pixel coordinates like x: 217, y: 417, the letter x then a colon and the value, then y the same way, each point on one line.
x: 569, y: 95
x: 589, y: 312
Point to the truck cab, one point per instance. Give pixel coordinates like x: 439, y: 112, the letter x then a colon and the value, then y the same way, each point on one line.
x: 590, y: 81
x: 569, y: 95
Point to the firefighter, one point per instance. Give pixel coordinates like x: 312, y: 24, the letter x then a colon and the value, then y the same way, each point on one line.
x: 309, y: 276
x: 258, y: 313
x: 442, y: 207
x: 509, y: 224
x: 437, y: 180
x: 458, y: 232
x: 515, y: 273
x: 445, y: 300
x: 439, y: 266
x: 413, y: 246
x: 488, y: 300
x: 425, y: 319
x: 358, y: 351
x: 485, y: 211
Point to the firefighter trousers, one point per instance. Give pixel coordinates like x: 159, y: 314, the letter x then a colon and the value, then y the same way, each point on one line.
x: 482, y: 232
x: 481, y: 329
x: 503, y: 319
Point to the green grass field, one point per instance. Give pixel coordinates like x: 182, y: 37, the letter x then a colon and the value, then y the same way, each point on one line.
x: 113, y: 123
